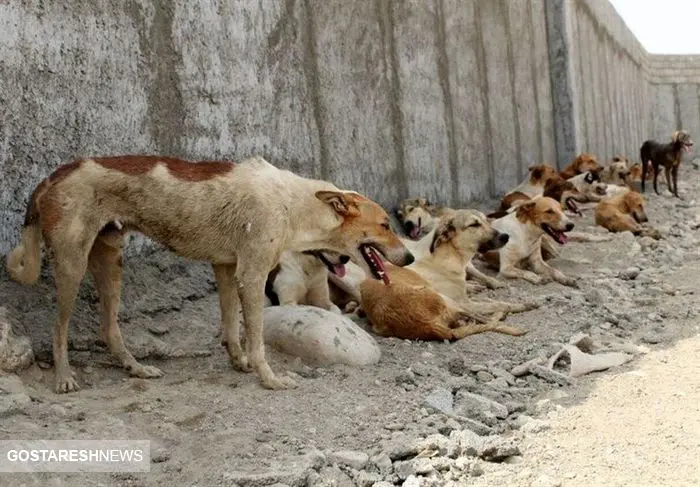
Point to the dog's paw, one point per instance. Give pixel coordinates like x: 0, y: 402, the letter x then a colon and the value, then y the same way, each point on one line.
x: 278, y: 383
x: 496, y: 284
x: 569, y: 281
x: 144, y: 371
x: 241, y: 364
x: 334, y: 309
x: 351, y: 307
x: 66, y: 383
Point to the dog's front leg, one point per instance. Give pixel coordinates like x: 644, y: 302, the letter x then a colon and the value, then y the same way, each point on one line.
x: 508, y: 267
x: 230, y: 322
x: 319, y: 295
x: 476, y: 274
x: 542, y: 268
x: 667, y: 174
x: 251, y: 291
x: 674, y: 175
x: 656, y: 177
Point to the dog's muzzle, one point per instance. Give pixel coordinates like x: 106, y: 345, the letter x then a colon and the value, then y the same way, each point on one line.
x: 497, y: 241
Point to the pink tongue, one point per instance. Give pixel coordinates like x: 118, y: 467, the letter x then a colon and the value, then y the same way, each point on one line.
x: 564, y: 238
x: 687, y: 149
x: 380, y: 264
x: 415, y: 231
x: 339, y: 270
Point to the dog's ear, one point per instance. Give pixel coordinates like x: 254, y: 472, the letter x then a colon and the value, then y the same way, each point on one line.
x: 675, y: 136
x: 536, y: 172
x: 341, y: 202
x: 422, y: 202
x: 398, y: 212
x: 526, y: 211
x: 444, y: 232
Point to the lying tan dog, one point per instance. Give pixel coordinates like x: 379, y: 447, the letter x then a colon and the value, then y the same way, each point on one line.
x: 539, y: 176
x: 589, y: 185
x: 417, y: 216
x: 414, y: 307
x: 238, y: 217
x: 302, y: 278
x: 625, y: 213
x: 527, y: 226
x: 582, y: 163
x: 617, y: 173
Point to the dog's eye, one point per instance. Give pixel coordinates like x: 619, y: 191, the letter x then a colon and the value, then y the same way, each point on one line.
x: 550, y: 211
x: 475, y: 224
x: 409, y: 209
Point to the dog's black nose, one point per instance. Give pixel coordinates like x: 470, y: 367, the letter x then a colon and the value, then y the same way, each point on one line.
x: 408, y: 259
x: 344, y: 259
x: 569, y: 226
x: 408, y: 226
x: 503, y: 238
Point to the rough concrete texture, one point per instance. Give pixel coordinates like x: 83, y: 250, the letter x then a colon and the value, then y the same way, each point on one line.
x: 445, y: 99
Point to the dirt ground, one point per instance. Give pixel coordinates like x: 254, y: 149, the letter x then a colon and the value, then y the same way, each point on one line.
x: 208, y: 423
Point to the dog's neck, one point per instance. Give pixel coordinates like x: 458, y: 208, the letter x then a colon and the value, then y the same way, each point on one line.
x: 451, y: 258
x: 532, y: 231
x: 310, y: 219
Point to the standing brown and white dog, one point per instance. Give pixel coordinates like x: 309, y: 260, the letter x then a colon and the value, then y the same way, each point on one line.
x: 238, y: 217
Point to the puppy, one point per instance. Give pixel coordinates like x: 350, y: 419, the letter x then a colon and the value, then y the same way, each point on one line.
x: 413, y: 308
x: 527, y: 226
x: 655, y: 154
x: 581, y: 163
x: 302, y: 278
x: 539, y: 176
x: 624, y: 213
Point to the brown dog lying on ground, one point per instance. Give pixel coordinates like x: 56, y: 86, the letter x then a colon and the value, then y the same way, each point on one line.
x: 654, y: 154
x: 581, y: 163
x: 527, y: 226
x: 624, y: 213
x: 238, y: 217
x: 617, y: 172
x: 413, y: 307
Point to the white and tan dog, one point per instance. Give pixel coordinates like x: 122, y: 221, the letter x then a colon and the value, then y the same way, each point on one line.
x: 302, y: 278
x: 238, y: 217
x: 527, y: 226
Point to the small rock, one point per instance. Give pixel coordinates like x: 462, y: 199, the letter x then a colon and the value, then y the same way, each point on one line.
x: 503, y: 374
x: 483, y: 376
x: 406, y: 377
x: 58, y: 410
x: 420, y: 369
x: 629, y: 274
x: 383, y: 463
x: 473, y: 405
x: 383, y: 484
x: 476, y: 470
x: 11, y: 404
x: 441, y: 400
x: 499, y: 383
x: 265, y: 437
x: 411, y: 481
x: 15, y: 350
x: 395, y: 426
x: 354, y: 459
x: 367, y: 479
x: 545, y: 481
x: 160, y: 455
x: 456, y: 366
x: 535, y: 426
x: 550, y: 375
x: 524, y: 368
x: 404, y: 469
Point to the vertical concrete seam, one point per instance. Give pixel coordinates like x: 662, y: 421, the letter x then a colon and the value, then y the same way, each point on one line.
x: 676, y: 106
x: 582, y: 104
x: 443, y: 69
x: 608, y: 97
x: 513, y: 95
x: 386, y: 26
x: 481, y: 61
x: 533, y: 75
x: 311, y: 74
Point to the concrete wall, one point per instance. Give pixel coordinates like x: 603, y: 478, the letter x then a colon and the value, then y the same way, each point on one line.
x: 675, y: 85
x: 603, y: 90
x: 448, y: 99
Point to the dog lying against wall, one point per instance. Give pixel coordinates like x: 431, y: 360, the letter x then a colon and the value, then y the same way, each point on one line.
x: 583, y: 162
x: 427, y: 301
x: 539, y: 176
x: 238, y: 217
x: 625, y: 212
x: 655, y: 154
x: 527, y: 226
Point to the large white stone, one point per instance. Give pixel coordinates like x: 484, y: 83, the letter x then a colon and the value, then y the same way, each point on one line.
x: 318, y: 336
x: 15, y: 351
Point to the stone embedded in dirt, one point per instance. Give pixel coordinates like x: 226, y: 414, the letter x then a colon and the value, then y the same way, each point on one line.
x: 473, y: 405
x: 629, y: 274
x: 319, y: 336
x: 441, y: 400
x: 382, y: 462
x: 353, y: 459
x: 367, y: 479
x: 11, y: 404
x: 15, y: 350
x: 412, y: 481
x: 524, y: 368
x: 483, y: 376
x: 499, y: 372
x: 456, y: 366
x: 489, y: 448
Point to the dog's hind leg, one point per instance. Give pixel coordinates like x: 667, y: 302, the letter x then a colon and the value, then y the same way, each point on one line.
x: 69, y: 268
x: 230, y: 322
x: 489, y: 306
x: 251, y: 291
x: 463, y: 327
x: 656, y: 177
x: 105, y: 265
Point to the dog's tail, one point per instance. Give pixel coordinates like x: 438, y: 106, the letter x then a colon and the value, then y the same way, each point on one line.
x: 464, y: 325
x: 24, y: 262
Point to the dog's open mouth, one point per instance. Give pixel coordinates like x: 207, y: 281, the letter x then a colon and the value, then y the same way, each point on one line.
x: 336, y: 268
x: 571, y: 205
x: 688, y: 148
x: 375, y: 263
x: 559, y: 236
x: 414, y: 229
